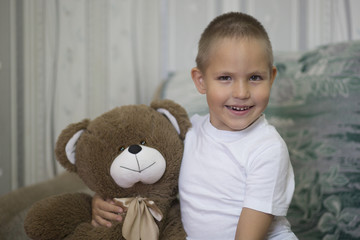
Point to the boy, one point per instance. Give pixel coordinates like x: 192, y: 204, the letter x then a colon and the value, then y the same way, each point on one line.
x: 236, y: 179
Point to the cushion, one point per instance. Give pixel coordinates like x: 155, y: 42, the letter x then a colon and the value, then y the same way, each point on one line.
x: 315, y: 106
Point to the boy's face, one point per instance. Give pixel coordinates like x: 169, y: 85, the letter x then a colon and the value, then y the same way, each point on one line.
x: 237, y: 82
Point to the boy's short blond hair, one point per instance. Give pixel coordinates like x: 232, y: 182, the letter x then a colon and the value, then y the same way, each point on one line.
x: 230, y: 25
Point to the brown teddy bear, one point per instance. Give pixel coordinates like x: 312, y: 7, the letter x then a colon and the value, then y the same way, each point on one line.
x: 131, y: 154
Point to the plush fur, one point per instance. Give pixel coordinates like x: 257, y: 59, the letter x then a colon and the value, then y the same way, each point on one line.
x: 68, y: 216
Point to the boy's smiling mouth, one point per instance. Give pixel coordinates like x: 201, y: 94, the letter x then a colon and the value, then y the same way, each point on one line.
x: 238, y: 108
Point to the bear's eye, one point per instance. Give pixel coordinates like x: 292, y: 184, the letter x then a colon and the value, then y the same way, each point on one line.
x: 122, y: 148
x: 143, y: 142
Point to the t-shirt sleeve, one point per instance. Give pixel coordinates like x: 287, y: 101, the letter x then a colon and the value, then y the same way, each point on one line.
x: 270, y: 180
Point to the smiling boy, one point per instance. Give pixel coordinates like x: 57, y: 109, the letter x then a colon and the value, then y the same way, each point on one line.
x: 236, y: 179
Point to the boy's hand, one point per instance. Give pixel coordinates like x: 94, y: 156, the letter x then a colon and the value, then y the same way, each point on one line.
x: 104, y: 211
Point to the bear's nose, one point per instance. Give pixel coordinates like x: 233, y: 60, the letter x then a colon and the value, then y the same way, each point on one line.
x: 134, y: 149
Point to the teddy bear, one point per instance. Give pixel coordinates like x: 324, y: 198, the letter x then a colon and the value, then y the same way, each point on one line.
x: 131, y: 154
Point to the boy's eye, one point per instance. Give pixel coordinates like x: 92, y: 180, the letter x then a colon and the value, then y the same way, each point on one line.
x: 255, y: 78
x: 224, y: 78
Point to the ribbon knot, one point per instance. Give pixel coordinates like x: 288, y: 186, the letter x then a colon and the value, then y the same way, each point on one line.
x: 139, y: 222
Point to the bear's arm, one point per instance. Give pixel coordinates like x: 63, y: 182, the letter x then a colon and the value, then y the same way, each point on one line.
x: 57, y: 216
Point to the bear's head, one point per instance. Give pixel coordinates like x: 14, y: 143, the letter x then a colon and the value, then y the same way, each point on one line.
x: 130, y: 151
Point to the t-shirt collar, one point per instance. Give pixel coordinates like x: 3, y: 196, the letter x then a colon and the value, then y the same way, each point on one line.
x: 226, y: 135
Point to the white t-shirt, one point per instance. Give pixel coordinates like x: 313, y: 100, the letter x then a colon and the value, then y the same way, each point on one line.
x: 224, y: 171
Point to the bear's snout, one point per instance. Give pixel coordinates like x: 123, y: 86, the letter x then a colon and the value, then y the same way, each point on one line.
x: 134, y: 149
x: 138, y: 163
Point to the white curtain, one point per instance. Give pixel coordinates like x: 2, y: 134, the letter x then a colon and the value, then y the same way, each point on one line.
x: 84, y: 57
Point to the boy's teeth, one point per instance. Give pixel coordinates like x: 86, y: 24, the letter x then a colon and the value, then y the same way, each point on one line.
x: 240, y: 108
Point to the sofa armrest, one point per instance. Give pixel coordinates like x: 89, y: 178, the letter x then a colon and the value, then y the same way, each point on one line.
x: 14, y: 205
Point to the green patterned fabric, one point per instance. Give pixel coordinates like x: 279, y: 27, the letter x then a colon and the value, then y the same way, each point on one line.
x: 315, y: 105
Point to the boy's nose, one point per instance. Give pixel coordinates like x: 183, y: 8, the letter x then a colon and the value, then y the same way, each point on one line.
x: 241, y: 90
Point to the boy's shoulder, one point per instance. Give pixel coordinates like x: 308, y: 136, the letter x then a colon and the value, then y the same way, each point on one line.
x: 267, y: 136
x: 263, y: 135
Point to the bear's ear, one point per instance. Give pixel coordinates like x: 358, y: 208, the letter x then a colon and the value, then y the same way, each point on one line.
x: 175, y: 113
x: 66, y: 144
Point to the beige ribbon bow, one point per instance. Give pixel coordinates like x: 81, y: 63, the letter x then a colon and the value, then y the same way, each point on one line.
x: 139, y: 221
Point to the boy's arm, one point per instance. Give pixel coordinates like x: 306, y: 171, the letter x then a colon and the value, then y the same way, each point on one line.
x: 103, y: 212
x: 253, y: 225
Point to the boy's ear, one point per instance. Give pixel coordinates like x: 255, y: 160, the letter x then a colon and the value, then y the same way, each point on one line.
x: 198, y: 79
x: 273, y: 74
